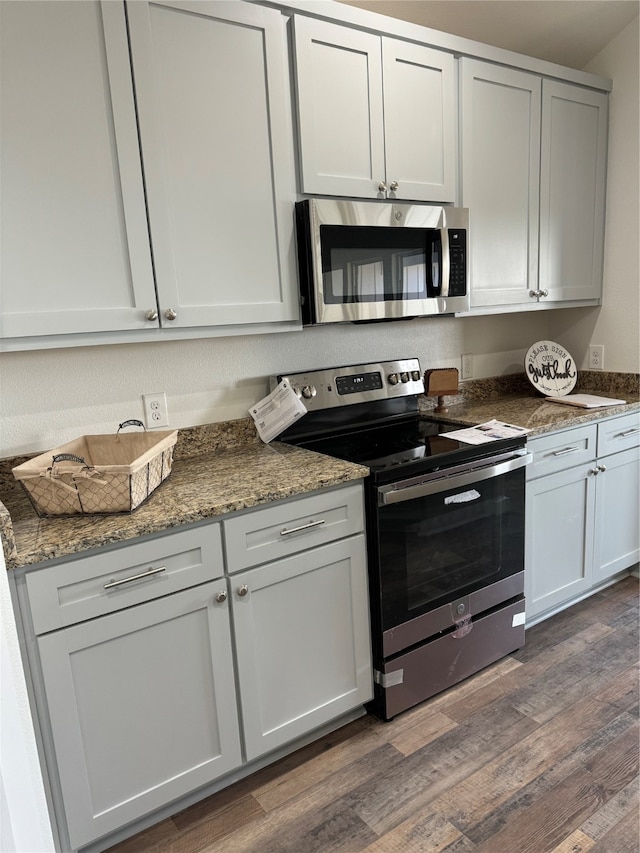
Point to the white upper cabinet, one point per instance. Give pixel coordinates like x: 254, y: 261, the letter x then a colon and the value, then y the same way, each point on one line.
x: 75, y: 247
x: 212, y: 86
x: 500, y: 178
x: 533, y: 170
x: 572, y: 191
x: 376, y: 116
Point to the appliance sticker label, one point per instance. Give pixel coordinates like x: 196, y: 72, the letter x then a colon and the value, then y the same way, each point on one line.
x: 277, y: 411
x: 518, y: 619
x: 463, y: 497
x: 388, y: 679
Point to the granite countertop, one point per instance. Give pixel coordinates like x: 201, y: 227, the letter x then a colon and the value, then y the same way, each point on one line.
x: 512, y: 399
x: 222, y: 468
x: 216, y: 470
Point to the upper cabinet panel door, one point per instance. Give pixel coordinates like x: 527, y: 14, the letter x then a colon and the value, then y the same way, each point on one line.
x: 419, y: 121
x: 500, y: 133
x: 339, y: 87
x: 75, y: 246
x: 572, y: 195
x: 212, y: 86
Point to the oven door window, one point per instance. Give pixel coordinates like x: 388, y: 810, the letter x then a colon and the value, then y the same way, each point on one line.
x: 373, y: 264
x: 440, y: 547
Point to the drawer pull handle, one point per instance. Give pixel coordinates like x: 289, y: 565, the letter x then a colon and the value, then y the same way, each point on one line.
x: 565, y: 451
x: 142, y: 575
x: 627, y: 432
x: 302, y: 527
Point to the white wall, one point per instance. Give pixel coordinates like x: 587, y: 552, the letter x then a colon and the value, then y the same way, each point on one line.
x: 52, y: 396
x: 616, y: 323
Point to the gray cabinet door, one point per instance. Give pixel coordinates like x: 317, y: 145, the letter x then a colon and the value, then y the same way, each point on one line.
x: 142, y: 708
x: 617, y: 530
x: 572, y: 191
x: 75, y: 245
x: 212, y: 89
x: 301, y: 629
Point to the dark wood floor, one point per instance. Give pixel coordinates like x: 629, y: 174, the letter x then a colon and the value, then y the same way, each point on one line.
x: 536, y: 753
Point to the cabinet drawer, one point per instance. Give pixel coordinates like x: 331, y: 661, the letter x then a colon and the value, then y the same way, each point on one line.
x: 103, y: 583
x: 561, y: 450
x: 619, y: 434
x: 288, y: 527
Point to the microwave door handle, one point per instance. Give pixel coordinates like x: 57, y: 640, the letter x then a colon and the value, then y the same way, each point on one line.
x: 446, y: 263
x: 398, y: 494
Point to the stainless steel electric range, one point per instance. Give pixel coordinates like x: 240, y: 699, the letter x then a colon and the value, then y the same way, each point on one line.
x: 445, y: 527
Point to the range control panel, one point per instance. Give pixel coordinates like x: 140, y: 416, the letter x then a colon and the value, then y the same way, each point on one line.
x: 356, y: 383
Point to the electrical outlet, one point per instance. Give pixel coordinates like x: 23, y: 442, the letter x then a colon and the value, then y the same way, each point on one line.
x: 156, y: 413
x: 467, y: 366
x: 596, y: 357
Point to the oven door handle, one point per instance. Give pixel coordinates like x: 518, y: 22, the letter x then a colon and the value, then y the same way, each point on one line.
x: 397, y: 493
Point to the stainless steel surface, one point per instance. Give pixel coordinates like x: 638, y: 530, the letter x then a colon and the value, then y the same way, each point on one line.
x: 627, y: 432
x: 170, y: 314
x: 221, y: 596
x: 452, y: 478
x: 133, y: 578
x: 324, y: 383
x: 309, y: 526
x: 243, y: 590
x: 382, y: 215
x: 433, y: 667
x: 430, y: 624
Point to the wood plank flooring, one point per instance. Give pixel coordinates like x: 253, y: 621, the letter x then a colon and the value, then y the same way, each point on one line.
x: 536, y: 754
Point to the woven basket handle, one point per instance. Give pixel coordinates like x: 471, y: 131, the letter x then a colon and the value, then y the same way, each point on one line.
x: 131, y: 422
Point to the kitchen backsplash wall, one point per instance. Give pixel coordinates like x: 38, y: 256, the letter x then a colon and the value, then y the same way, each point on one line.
x: 52, y: 396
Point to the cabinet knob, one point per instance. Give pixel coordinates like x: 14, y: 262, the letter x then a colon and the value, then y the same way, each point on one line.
x: 594, y: 471
x: 543, y: 292
x: 393, y: 186
x: 170, y: 314
x: 221, y: 596
x: 243, y: 590
x: 382, y: 187
x: 152, y: 314
x: 602, y: 468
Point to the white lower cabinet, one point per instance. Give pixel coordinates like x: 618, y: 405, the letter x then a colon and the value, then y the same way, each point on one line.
x: 142, y: 707
x: 157, y: 669
x: 301, y: 630
x: 582, y: 511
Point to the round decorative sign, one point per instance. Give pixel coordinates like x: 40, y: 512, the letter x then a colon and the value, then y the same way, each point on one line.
x: 550, y: 369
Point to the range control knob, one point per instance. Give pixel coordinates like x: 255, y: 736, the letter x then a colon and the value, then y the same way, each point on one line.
x: 297, y: 390
x: 309, y: 391
x: 404, y: 377
x: 393, y: 378
x: 415, y: 375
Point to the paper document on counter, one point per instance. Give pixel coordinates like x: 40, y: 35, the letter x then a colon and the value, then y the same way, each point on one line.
x: 586, y: 401
x: 277, y: 411
x: 483, y: 433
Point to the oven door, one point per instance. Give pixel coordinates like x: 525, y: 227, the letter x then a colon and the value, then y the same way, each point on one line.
x: 445, y: 536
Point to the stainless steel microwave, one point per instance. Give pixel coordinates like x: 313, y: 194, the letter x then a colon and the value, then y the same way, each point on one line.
x: 368, y: 261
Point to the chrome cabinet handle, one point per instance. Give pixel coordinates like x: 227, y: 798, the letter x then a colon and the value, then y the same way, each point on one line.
x: 602, y: 468
x: 308, y: 526
x: 151, y: 314
x: 536, y: 294
x: 627, y: 432
x: 221, y: 596
x: 382, y: 187
x: 393, y: 186
x: 133, y: 578
x: 243, y: 590
x: 170, y: 314
x: 544, y: 293
x: 564, y: 451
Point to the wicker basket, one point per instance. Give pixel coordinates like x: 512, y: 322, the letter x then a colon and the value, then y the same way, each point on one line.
x: 98, y: 473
